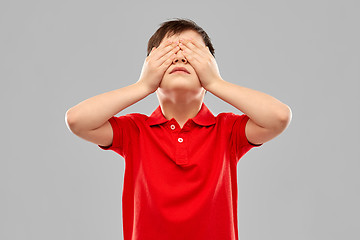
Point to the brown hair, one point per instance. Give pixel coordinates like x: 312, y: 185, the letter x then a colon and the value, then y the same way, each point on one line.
x: 177, y: 26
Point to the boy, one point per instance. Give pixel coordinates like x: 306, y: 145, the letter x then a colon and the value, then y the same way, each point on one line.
x: 180, y: 179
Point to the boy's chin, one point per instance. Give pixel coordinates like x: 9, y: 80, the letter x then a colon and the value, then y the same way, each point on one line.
x: 179, y: 88
x: 180, y: 85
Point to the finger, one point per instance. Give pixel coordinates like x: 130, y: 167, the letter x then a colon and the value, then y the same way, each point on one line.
x: 197, y: 44
x: 198, y: 49
x: 168, y: 62
x: 165, y: 49
x: 165, y: 43
x: 169, y: 57
x: 160, y: 46
x: 190, y: 55
x: 152, y: 50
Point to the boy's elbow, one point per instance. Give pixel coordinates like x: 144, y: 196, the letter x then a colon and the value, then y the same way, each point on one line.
x: 285, y: 117
x: 69, y: 121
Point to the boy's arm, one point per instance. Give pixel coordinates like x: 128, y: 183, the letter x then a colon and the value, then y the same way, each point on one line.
x: 95, y: 111
x: 90, y: 119
x: 268, y: 116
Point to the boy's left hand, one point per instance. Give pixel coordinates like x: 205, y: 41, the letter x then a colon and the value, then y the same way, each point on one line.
x: 201, y: 59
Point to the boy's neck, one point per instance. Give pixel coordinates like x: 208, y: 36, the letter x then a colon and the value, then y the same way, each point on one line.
x: 181, y: 112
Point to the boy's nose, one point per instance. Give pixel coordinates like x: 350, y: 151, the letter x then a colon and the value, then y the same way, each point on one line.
x: 179, y: 58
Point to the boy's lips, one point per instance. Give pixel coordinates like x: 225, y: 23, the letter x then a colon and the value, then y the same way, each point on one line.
x: 179, y: 69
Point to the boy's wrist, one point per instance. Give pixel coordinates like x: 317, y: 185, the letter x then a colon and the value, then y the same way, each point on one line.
x: 214, y: 85
x: 144, y: 87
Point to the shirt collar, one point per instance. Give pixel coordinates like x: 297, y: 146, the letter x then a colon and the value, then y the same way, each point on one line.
x: 204, y: 117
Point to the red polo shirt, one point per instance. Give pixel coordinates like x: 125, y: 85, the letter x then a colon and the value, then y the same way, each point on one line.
x: 180, y: 184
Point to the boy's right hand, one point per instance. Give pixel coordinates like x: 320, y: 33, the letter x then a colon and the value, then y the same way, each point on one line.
x: 156, y: 64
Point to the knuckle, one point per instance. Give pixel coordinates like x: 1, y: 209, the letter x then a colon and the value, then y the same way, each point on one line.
x: 151, y: 64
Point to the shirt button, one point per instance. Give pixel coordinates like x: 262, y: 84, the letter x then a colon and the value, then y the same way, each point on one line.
x: 172, y: 127
x: 180, y: 140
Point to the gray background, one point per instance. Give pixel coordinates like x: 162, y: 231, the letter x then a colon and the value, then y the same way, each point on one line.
x: 303, y: 184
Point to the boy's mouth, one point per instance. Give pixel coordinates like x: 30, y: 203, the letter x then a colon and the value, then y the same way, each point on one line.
x: 180, y: 70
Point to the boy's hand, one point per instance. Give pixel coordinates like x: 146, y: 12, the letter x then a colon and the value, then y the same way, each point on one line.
x: 201, y: 59
x: 156, y: 64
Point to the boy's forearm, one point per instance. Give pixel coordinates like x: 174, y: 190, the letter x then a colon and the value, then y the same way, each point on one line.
x: 95, y: 111
x: 265, y: 110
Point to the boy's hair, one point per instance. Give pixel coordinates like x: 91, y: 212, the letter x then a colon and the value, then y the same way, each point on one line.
x: 177, y: 26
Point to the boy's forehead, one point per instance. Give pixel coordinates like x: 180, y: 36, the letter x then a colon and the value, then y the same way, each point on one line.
x: 187, y: 34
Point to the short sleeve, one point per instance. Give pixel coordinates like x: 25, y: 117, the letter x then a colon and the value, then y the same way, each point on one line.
x: 121, y: 127
x: 240, y: 143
